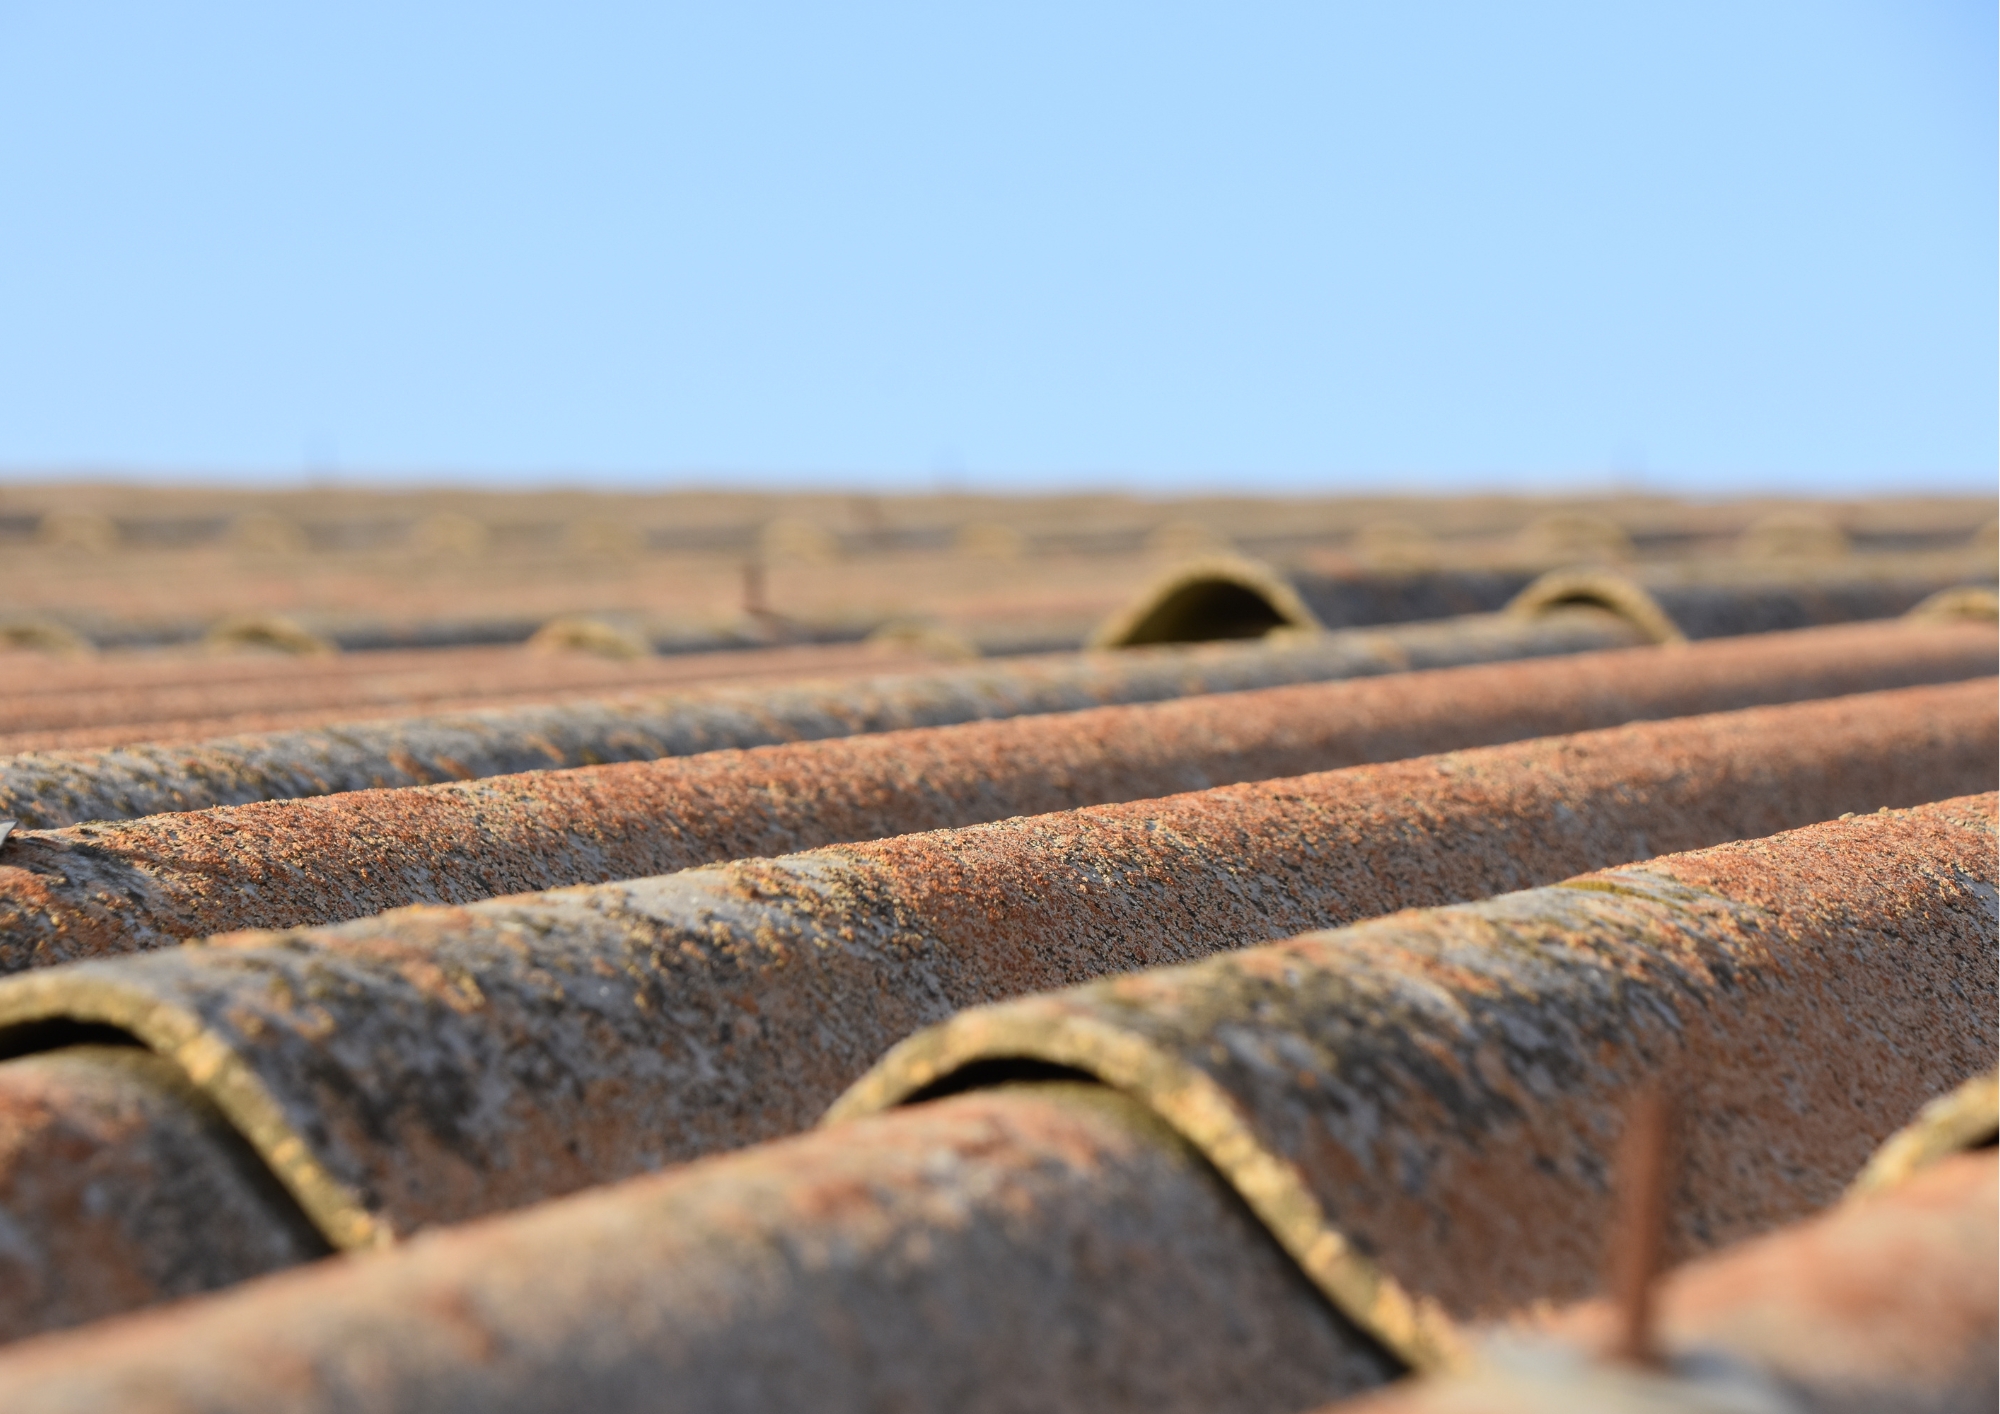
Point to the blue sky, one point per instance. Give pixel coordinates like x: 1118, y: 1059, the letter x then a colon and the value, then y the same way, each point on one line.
x: 1705, y: 247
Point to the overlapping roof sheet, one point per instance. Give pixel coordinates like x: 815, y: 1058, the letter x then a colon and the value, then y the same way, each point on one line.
x: 1249, y: 1024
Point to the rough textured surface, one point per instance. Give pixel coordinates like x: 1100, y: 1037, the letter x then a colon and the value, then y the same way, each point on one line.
x: 121, y: 1186
x: 127, y: 698
x: 436, y: 1063
x: 1423, y: 1108
x: 1885, y: 1306
x: 1045, y: 1247
x: 1039, y: 1249
x: 48, y: 789
x: 101, y: 889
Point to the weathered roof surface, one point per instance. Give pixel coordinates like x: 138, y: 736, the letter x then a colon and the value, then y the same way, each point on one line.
x: 1149, y: 1136
x: 125, y: 698
x: 121, y: 1185
x: 1419, y: 1107
x: 1045, y: 1246
x: 61, y: 788
x: 1047, y: 1250
x: 101, y: 889
x: 435, y: 1063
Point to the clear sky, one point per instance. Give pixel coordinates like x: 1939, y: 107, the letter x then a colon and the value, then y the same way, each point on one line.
x: 1696, y: 246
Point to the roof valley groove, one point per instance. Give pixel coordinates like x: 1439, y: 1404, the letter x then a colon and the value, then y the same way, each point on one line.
x: 1885, y: 1302
x: 1059, y: 1246
x: 432, y: 1064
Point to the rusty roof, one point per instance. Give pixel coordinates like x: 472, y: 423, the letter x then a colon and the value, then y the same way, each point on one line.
x: 1382, y: 1100
x: 432, y: 1064
x: 1204, y: 1025
x: 61, y: 788
x: 125, y: 698
x: 92, y: 890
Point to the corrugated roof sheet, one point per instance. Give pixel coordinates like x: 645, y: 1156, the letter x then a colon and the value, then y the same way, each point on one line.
x: 1150, y: 1141
x: 1048, y: 1242
x: 60, y: 788
x: 99, y: 889
x: 432, y: 1064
